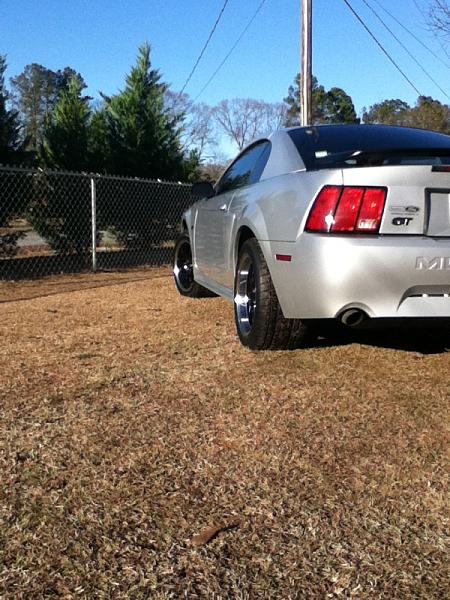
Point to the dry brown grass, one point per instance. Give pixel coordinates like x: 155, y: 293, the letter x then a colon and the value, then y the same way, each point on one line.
x: 132, y: 422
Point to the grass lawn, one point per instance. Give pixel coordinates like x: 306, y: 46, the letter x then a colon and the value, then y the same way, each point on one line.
x: 145, y: 454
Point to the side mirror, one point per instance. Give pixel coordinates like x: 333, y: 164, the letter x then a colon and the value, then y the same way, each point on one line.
x: 203, y: 189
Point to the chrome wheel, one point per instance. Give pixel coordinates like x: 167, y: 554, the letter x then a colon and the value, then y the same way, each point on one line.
x: 183, y: 269
x: 245, y: 297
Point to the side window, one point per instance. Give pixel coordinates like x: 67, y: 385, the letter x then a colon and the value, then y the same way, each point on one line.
x: 261, y: 162
x: 246, y: 169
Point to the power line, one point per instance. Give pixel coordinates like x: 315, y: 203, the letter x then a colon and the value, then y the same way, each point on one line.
x: 411, y: 33
x: 211, y: 33
x: 379, y: 44
x: 405, y: 48
x: 244, y: 31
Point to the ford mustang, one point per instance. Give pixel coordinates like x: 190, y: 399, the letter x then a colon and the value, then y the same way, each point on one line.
x: 333, y: 222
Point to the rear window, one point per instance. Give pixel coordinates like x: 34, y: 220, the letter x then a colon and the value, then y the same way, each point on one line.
x: 331, y: 146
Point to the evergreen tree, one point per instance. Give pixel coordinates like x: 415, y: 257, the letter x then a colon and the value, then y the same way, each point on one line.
x: 66, y: 131
x: 13, y: 196
x: 426, y: 114
x: 431, y: 114
x: 333, y: 106
x: 339, y: 107
x: 388, y: 112
x: 144, y: 141
x: 98, y: 142
x: 10, y: 127
x: 36, y: 92
x: 61, y: 212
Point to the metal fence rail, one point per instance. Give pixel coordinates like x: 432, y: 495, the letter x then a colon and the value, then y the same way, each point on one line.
x: 63, y: 222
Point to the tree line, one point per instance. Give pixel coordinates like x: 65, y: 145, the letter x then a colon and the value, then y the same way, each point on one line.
x: 149, y: 130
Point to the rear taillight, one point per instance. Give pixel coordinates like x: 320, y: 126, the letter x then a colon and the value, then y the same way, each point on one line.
x: 347, y: 209
x: 441, y: 168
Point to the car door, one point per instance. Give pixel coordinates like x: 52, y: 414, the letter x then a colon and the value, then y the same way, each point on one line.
x: 209, y: 236
x: 214, y: 220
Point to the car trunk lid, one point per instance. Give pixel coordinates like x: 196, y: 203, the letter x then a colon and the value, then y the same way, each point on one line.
x: 417, y: 201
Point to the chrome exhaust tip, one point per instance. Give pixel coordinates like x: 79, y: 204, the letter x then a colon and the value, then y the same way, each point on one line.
x: 352, y: 317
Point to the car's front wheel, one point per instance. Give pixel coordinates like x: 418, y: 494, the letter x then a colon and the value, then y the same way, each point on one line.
x: 183, y: 270
x: 259, y: 320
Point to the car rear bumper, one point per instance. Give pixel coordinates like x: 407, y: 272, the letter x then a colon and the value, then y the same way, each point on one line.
x: 385, y: 276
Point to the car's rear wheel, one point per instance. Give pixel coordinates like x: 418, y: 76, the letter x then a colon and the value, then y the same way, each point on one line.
x: 183, y: 270
x: 259, y: 320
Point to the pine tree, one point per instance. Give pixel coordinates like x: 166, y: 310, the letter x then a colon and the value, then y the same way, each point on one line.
x: 13, y: 197
x: 332, y: 106
x: 61, y: 212
x: 10, y: 127
x: 66, y: 131
x: 36, y: 92
x: 144, y: 141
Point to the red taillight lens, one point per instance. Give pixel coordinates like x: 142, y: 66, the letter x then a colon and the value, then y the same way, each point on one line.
x: 369, y: 218
x: 321, y: 218
x: 441, y: 168
x: 347, y: 209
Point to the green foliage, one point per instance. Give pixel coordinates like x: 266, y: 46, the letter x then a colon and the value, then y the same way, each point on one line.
x: 99, y: 142
x: 10, y: 128
x: 333, y: 106
x: 338, y: 107
x: 427, y: 114
x: 36, y: 93
x: 388, y: 112
x: 66, y: 131
x: 60, y: 212
x: 12, y: 197
x: 143, y: 138
x: 431, y: 114
x: 135, y: 134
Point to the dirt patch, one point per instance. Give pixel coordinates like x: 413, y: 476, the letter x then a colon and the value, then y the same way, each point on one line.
x: 145, y: 453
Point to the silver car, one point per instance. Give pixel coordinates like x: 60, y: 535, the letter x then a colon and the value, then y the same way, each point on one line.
x: 342, y: 222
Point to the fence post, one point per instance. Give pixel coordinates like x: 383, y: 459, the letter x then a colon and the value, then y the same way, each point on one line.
x: 94, y: 223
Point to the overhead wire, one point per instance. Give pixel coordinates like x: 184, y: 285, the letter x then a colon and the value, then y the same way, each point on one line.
x: 244, y: 31
x: 410, y: 54
x: 211, y: 33
x: 382, y: 48
x: 411, y: 33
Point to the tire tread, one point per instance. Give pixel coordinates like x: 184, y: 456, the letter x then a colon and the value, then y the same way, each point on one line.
x: 277, y: 332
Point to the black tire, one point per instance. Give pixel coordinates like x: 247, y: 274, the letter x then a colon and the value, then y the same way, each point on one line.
x: 259, y: 320
x: 183, y: 270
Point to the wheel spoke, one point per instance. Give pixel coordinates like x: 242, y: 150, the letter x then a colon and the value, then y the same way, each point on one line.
x: 245, y: 295
x: 183, y: 268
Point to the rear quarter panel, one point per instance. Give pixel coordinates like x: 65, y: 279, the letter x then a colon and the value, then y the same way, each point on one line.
x: 275, y: 209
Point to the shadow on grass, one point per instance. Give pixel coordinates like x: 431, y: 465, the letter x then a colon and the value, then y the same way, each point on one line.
x: 35, y: 267
x: 425, y: 336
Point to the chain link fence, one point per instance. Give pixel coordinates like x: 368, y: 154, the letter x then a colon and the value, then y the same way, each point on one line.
x: 63, y: 222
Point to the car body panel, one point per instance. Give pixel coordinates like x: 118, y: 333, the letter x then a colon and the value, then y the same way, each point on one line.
x: 380, y: 275
x: 404, y: 270
x: 212, y: 221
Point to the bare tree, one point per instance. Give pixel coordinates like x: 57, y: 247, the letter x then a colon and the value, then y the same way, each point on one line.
x: 244, y: 119
x: 196, y: 123
x: 438, y: 17
x: 439, y: 14
x: 200, y: 130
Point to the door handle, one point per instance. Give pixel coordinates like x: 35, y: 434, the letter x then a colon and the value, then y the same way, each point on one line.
x: 223, y: 207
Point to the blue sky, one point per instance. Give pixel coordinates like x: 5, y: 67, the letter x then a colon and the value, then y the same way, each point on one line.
x: 99, y: 38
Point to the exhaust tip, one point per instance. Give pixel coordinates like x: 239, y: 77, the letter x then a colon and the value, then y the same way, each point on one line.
x: 352, y: 317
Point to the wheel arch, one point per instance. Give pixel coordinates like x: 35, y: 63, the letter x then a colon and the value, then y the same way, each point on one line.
x: 243, y: 234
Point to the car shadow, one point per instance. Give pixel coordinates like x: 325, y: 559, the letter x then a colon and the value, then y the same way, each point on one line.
x: 425, y: 338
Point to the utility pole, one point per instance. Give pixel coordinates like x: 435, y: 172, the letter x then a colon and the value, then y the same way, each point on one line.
x: 306, y: 77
